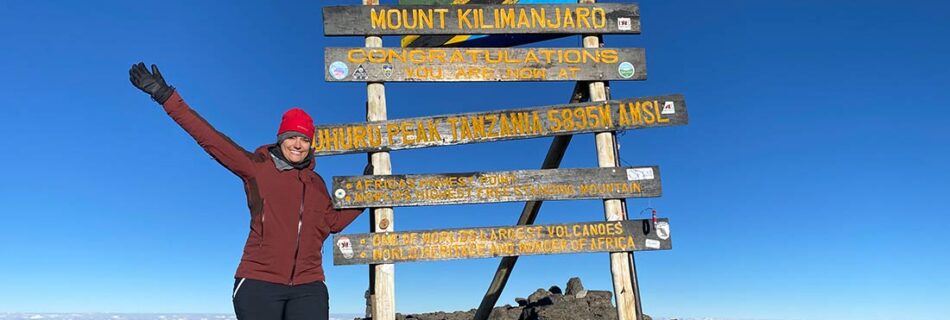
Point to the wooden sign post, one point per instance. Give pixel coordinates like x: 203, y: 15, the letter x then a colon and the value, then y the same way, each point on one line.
x: 491, y: 187
x: 591, y: 66
x: 483, y: 64
x: 482, y: 19
x: 382, y: 276
x: 476, y: 127
x: 621, y: 263
x: 490, y: 242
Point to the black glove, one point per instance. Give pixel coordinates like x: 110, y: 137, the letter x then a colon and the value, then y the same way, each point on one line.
x: 150, y: 82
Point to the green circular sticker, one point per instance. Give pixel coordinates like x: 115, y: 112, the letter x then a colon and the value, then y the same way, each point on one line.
x: 626, y: 70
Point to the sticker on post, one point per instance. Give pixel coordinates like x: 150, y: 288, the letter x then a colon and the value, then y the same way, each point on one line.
x: 346, y: 248
x: 338, y: 70
x: 359, y: 73
x: 634, y: 174
x: 624, y: 24
x: 652, y: 244
x: 626, y: 70
x: 663, y: 230
x: 339, y: 193
x: 668, y: 108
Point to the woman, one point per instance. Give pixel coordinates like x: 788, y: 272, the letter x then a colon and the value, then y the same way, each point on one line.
x: 280, y: 275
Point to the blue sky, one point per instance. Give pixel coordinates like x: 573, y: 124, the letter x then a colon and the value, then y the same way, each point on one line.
x: 809, y: 184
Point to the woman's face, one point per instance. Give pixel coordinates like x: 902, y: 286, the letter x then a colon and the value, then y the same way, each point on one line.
x: 295, y: 149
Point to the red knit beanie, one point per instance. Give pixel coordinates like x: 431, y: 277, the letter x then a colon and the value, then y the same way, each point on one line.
x: 296, y: 120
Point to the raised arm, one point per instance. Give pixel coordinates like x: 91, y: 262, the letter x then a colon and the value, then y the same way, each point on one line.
x: 336, y: 219
x: 218, y: 145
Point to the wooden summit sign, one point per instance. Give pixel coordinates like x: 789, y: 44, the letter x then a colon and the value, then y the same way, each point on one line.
x: 444, y: 130
x: 360, y: 64
x: 499, y: 186
x: 481, y: 19
x: 489, y: 242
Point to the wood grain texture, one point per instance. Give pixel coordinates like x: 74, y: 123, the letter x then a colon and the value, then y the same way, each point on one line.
x: 382, y: 286
x: 361, y: 64
x: 490, y: 242
x: 528, y: 214
x: 498, y: 186
x: 478, y: 127
x: 622, y: 268
x: 481, y: 19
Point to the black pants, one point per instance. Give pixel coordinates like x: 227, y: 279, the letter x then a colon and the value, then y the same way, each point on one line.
x: 261, y: 300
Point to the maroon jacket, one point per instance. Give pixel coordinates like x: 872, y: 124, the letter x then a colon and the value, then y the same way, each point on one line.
x: 291, y: 212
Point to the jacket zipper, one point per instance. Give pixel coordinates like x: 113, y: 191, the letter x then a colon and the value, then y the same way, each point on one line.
x: 303, y: 195
x: 263, y: 215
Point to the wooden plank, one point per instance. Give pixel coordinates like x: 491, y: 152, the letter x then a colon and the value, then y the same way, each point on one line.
x: 476, y: 40
x: 622, y: 268
x: 477, y: 127
x: 382, y: 284
x: 616, y: 18
x: 360, y: 64
x: 490, y: 242
x: 498, y: 186
x: 528, y: 214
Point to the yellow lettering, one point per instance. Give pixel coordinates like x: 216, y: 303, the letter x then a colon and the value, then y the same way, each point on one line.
x: 557, y: 19
x: 359, y: 137
x: 624, y: 121
x: 523, y: 21
x: 582, y: 16
x: 537, y: 18
x: 421, y: 135
x: 417, y: 56
x: 568, y: 19
x: 391, y: 131
x: 407, y: 136
x: 434, y: 134
x: 609, y: 56
x: 389, y: 18
x: 505, y: 125
x: 606, y: 115
x: 377, y: 20
x: 492, y: 119
x: 463, y: 18
x: 441, y: 13
x: 375, y: 135
x: 645, y: 108
x: 505, y: 18
x: 478, y: 126
x: 453, y: 122
x: 352, y: 56
x: 599, y: 13
x: 425, y: 19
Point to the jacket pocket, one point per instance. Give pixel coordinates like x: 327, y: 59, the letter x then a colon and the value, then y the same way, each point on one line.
x: 237, y: 288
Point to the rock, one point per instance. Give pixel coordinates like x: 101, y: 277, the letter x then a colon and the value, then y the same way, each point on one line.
x: 551, y: 304
x: 538, y: 295
x: 521, y: 302
x: 506, y: 312
x: 599, y: 298
x: 574, y: 286
x: 581, y: 294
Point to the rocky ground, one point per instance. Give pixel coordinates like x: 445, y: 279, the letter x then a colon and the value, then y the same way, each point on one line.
x: 574, y: 302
